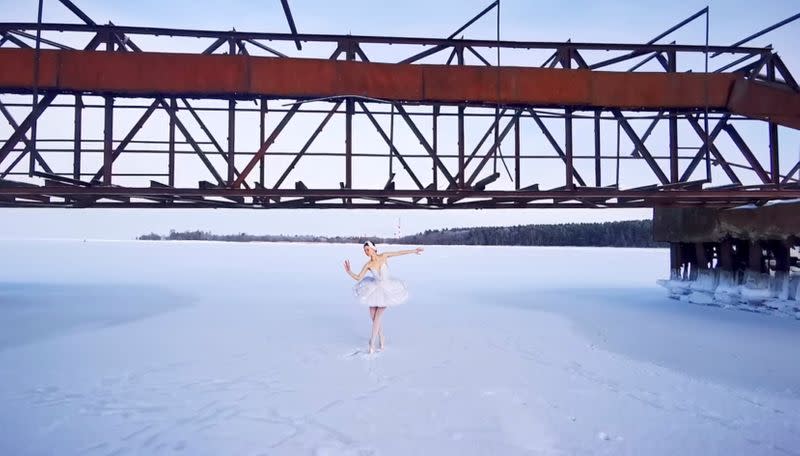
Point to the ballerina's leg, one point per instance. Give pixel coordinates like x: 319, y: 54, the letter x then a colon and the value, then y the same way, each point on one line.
x: 378, y: 313
x: 372, y: 313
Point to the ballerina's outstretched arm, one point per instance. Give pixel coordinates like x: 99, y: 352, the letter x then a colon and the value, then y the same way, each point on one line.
x: 360, y: 275
x: 418, y: 250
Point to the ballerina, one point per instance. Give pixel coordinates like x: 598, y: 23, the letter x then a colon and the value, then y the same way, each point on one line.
x: 378, y: 291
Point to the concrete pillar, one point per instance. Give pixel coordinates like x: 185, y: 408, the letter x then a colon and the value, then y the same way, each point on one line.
x: 689, y: 258
x: 702, y: 255
x: 755, y: 257
x: 725, y: 255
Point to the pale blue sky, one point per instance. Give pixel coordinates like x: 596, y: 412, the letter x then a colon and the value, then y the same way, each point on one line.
x: 583, y: 20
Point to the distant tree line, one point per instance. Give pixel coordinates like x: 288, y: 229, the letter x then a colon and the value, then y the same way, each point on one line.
x: 630, y: 233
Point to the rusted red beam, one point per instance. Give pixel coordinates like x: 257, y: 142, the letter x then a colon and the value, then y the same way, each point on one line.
x: 167, y: 74
x: 767, y: 101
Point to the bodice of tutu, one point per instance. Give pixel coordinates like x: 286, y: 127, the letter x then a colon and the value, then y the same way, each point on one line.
x: 382, y: 273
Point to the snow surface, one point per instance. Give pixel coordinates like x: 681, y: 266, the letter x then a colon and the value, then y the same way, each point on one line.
x: 117, y: 348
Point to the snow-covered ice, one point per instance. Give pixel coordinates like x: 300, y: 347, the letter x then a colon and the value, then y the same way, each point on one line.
x: 123, y: 348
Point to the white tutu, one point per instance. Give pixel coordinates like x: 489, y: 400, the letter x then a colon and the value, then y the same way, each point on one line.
x: 380, y: 290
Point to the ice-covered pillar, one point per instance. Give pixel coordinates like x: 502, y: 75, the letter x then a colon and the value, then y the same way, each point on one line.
x: 780, y: 250
x: 689, y: 257
x: 675, y: 260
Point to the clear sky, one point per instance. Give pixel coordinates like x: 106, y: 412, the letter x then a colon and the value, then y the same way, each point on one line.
x: 578, y: 20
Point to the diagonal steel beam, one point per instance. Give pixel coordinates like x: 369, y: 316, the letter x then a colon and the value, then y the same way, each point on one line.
x: 26, y: 124
x: 214, y: 46
x: 679, y: 25
x: 13, y: 39
x: 739, y: 61
x: 748, y: 154
x: 553, y: 56
x: 478, y: 55
x: 63, y: 47
x: 789, y: 175
x: 128, y: 138
x: 424, y: 54
x: 391, y: 145
x: 263, y: 149
x: 28, y: 144
x: 621, y: 58
x: 308, y: 143
x: 762, y: 32
x: 77, y: 11
x: 452, y: 56
x: 656, y: 55
x: 579, y: 59
x: 493, y: 150
x: 474, y: 19
x: 242, y: 48
x: 640, y: 146
x: 12, y: 165
x: 492, y: 128
x: 712, y: 148
x: 288, y: 12
x: 124, y: 41
x: 652, y: 41
x: 787, y: 75
x: 650, y: 128
x: 96, y: 40
x: 336, y: 52
x: 554, y: 143
x: 425, y: 144
x: 438, y: 48
x: 484, y: 137
x: 266, y: 48
x: 174, y: 116
x: 360, y: 52
x: 210, y: 136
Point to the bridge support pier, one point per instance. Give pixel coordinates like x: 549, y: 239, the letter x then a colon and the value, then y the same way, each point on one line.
x: 741, y: 257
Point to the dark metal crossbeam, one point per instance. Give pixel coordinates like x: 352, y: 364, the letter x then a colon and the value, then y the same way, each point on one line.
x: 370, y: 39
x: 761, y: 32
x: 77, y: 11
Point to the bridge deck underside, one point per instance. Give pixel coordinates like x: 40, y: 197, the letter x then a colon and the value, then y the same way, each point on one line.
x: 565, y: 91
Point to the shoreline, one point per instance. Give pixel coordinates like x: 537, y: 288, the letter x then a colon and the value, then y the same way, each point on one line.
x: 316, y: 243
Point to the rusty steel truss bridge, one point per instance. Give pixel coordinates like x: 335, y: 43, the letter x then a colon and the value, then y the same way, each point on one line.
x: 442, y: 93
